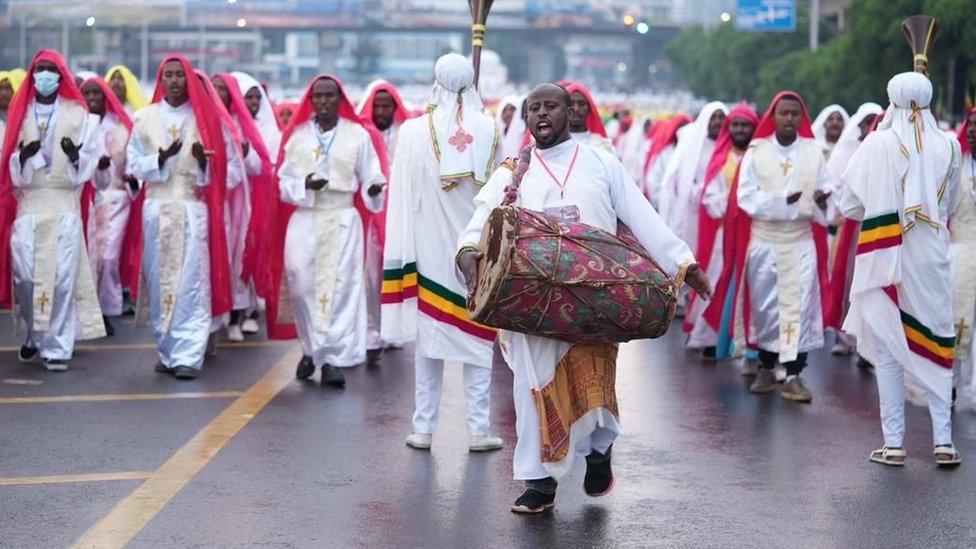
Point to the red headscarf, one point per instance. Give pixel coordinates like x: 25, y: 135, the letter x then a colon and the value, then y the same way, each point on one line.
x: 738, y: 229
x: 262, y: 187
x: 708, y: 227
x: 963, y: 140
x: 281, y: 107
x: 663, y: 134
x: 210, y: 127
x: 593, y: 121
x: 401, y: 113
x: 270, y: 284
x: 16, y: 111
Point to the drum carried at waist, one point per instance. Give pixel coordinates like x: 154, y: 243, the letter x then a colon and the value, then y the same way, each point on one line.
x: 568, y: 281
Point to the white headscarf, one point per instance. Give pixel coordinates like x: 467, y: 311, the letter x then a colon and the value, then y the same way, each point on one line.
x: 465, y: 138
x: 265, y: 120
x: 683, y: 164
x: 848, y: 142
x: 923, y: 143
x: 511, y: 140
x: 819, y: 131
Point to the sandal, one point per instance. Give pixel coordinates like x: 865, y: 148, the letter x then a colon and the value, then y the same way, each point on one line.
x: 885, y: 455
x: 947, y: 456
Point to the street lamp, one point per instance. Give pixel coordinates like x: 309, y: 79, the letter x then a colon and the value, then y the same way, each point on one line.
x: 643, y: 27
x: 90, y: 22
x: 241, y: 23
x: 629, y: 20
x: 725, y: 17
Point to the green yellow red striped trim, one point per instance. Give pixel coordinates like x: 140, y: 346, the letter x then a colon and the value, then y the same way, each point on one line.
x: 399, y: 284
x: 921, y: 341
x: 879, y: 232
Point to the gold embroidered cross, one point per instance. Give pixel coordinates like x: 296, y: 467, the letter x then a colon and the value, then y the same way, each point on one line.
x: 961, y: 327
x: 43, y: 300
x: 786, y: 165
x: 43, y: 128
x: 173, y: 132
x: 325, y: 303
x: 789, y: 333
x: 169, y: 302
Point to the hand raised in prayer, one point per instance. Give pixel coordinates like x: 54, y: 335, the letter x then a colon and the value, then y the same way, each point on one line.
x: 199, y: 154
x: 245, y: 148
x: 468, y: 264
x: 104, y: 162
x: 820, y: 197
x: 793, y: 198
x: 698, y: 280
x: 169, y: 152
x: 70, y: 149
x: 313, y: 184
x: 132, y: 182
x: 375, y: 189
x: 29, y: 150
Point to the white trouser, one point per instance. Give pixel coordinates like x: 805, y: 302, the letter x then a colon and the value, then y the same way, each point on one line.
x: 527, y: 461
x: 891, y: 394
x: 374, y: 285
x: 429, y: 375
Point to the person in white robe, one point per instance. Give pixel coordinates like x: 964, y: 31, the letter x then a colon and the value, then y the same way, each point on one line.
x: 327, y: 158
x: 107, y: 224
x: 784, y: 189
x: 828, y: 127
x: 511, y: 125
x: 963, y: 231
x: 634, y: 146
x: 167, y: 152
x: 684, y: 175
x: 52, y: 149
x: 903, y: 183
x: 585, y: 184
x: 585, y: 124
x: 442, y: 160
x: 664, y: 140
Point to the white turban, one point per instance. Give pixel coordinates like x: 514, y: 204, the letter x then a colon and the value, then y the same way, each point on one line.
x: 923, y: 143
x: 819, y: 131
x: 465, y: 138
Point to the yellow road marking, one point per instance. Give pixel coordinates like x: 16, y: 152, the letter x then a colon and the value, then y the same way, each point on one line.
x: 114, y: 398
x: 61, y: 479
x: 132, y: 514
x: 125, y: 346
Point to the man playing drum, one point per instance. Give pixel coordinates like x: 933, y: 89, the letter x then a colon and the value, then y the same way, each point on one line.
x: 571, y: 385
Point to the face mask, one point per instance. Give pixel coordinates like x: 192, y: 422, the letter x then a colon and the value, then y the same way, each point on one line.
x: 46, y: 82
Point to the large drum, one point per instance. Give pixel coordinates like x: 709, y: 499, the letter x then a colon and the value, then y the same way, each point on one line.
x: 568, y: 281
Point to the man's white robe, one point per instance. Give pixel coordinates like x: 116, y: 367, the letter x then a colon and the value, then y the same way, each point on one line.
x: 374, y: 260
x: 593, y: 140
x: 175, y: 252
x: 654, y: 176
x: 963, y: 231
x: 111, y: 215
x: 781, y: 262
x: 602, y: 192
x: 324, y: 244
x: 53, y: 286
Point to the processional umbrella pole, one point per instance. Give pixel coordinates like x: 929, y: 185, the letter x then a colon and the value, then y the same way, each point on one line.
x: 920, y: 31
x: 479, y: 14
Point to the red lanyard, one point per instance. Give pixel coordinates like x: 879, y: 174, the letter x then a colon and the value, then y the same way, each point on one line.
x: 569, y: 171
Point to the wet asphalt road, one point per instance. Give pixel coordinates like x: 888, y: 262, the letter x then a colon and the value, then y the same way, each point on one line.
x: 701, y: 463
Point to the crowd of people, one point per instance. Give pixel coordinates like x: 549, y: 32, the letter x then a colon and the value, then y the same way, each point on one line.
x: 356, y: 229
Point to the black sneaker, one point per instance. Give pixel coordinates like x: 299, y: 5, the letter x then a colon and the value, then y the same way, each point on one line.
x: 332, y: 376
x: 163, y: 369
x: 533, y: 502
x: 373, y: 355
x: 109, y: 329
x: 305, y: 368
x: 599, y: 475
x: 185, y: 373
x: 708, y: 355
x: 27, y: 353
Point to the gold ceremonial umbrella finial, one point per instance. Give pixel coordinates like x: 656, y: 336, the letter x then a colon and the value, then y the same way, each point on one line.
x: 920, y: 32
x: 479, y: 14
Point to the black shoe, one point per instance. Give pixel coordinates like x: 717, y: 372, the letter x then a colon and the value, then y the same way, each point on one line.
x: 184, y: 372
x: 708, y: 354
x: 109, y: 329
x: 27, y: 353
x: 163, y: 369
x: 332, y: 376
x: 373, y: 355
x: 533, y: 502
x: 599, y: 475
x: 305, y: 368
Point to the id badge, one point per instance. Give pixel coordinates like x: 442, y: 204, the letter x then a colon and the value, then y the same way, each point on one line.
x: 569, y: 214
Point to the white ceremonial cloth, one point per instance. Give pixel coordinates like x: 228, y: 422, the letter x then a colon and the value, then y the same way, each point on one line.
x: 781, y: 235
x: 654, y: 177
x: 265, y: 118
x: 633, y: 149
x: 848, y: 142
x: 594, y: 140
x: 511, y: 138
x: 111, y: 215
x: 820, y: 132
x: 57, y: 341
x: 602, y: 193
x: 964, y: 281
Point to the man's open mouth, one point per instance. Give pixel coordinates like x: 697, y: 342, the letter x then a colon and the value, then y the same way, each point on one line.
x: 543, y: 128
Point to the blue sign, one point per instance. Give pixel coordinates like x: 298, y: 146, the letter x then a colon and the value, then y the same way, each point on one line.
x: 766, y: 15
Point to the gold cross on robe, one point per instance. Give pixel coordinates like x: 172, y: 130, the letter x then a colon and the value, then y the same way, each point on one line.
x: 174, y: 132
x: 318, y: 153
x: 43, y: 300
x: 786, y: 165
x: 169, y: 302
x: 324, y: 301
x: 789, y: 331
x: 961, y: 327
